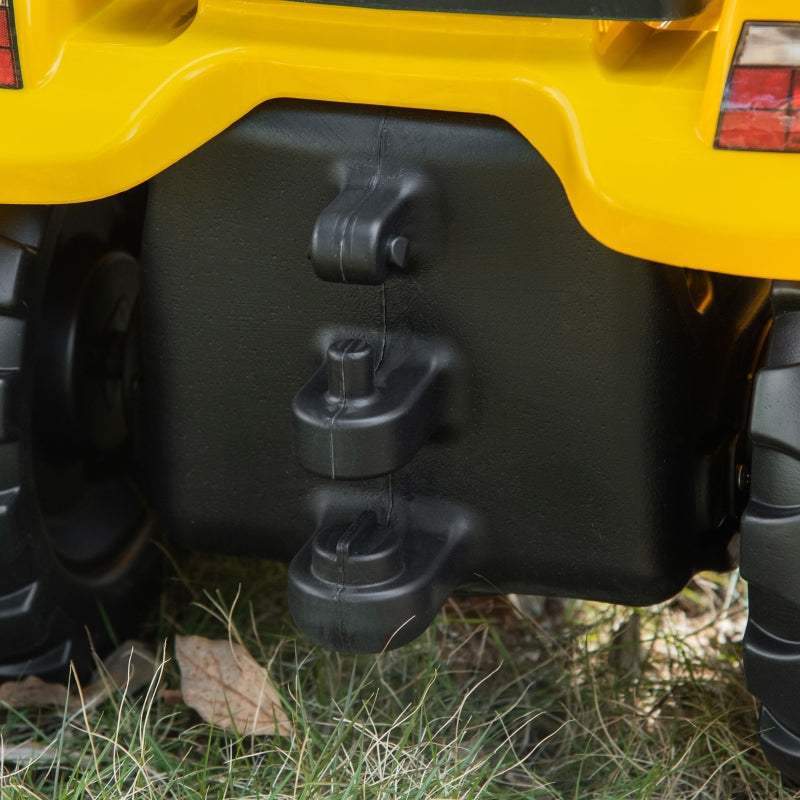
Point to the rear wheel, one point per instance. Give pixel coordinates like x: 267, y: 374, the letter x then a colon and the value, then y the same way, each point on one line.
x: 76, y: 556
x: 771, y: 538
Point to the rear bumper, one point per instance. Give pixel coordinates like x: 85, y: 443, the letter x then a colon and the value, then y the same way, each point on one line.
x: 624, y: 113
x: 539, y: 414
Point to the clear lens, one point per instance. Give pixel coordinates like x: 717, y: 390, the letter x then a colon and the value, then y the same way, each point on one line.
x: 764, y: 44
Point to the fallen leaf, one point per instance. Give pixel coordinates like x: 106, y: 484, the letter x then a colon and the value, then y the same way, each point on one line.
x: 225, y: 685
x: 33, y: 691
x: 42, y: 755
x: 171, y: 697
x: 130, y: 667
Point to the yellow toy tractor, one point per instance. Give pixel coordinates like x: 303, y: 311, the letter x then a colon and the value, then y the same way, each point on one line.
x: 423, y: 296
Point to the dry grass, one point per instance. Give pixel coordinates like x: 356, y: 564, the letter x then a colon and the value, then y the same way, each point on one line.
x: 501, y: 698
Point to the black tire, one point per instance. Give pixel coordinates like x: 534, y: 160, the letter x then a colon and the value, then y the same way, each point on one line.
x: 771, y: 538
x: 77, y: 564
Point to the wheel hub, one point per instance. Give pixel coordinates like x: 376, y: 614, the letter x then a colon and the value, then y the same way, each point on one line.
x: 89, y: 369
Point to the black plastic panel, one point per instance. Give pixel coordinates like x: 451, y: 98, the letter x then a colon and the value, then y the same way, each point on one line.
x: 582, y: 9
x: 588, y: 434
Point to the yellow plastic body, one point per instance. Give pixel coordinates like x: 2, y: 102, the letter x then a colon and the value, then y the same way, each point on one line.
x: 117, y: 90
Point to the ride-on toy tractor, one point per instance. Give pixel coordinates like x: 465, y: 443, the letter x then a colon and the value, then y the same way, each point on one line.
x: 424, y: 296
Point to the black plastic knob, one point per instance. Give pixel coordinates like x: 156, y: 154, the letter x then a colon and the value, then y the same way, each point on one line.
x: 361, y: 553
x: 351, y: 370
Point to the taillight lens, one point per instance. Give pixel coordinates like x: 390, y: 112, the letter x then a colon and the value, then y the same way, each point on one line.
x: 10, y: 76
x: 761, y: 105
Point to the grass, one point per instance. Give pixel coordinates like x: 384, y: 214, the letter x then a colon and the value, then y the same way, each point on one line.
x: 501, y: 698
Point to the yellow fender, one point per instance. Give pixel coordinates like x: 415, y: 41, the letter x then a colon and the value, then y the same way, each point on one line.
x: 114, y: 91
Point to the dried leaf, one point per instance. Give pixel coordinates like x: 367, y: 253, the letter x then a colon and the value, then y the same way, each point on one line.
x: 225, y: 685
x: 33, y: 691
x: 171, y: 697
x: 44, y: 756
x: 131, y: 666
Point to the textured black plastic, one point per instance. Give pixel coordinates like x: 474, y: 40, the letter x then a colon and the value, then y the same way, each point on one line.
x: 771, y: 537
x: 346, y: 426
x: 781, y: 746
x: 587, y: 9
x: 390, y: 579
x: 366, y: 229
x: 593, y: 432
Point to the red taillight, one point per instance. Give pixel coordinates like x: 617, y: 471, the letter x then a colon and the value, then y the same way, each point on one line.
x: 5, y: 32
x: 752, y: 130
x: 10, y: 77
x: 759, y: 87
x: 761, y: 105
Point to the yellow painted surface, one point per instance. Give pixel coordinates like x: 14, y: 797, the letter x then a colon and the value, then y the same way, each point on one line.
x: 117, y: 90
